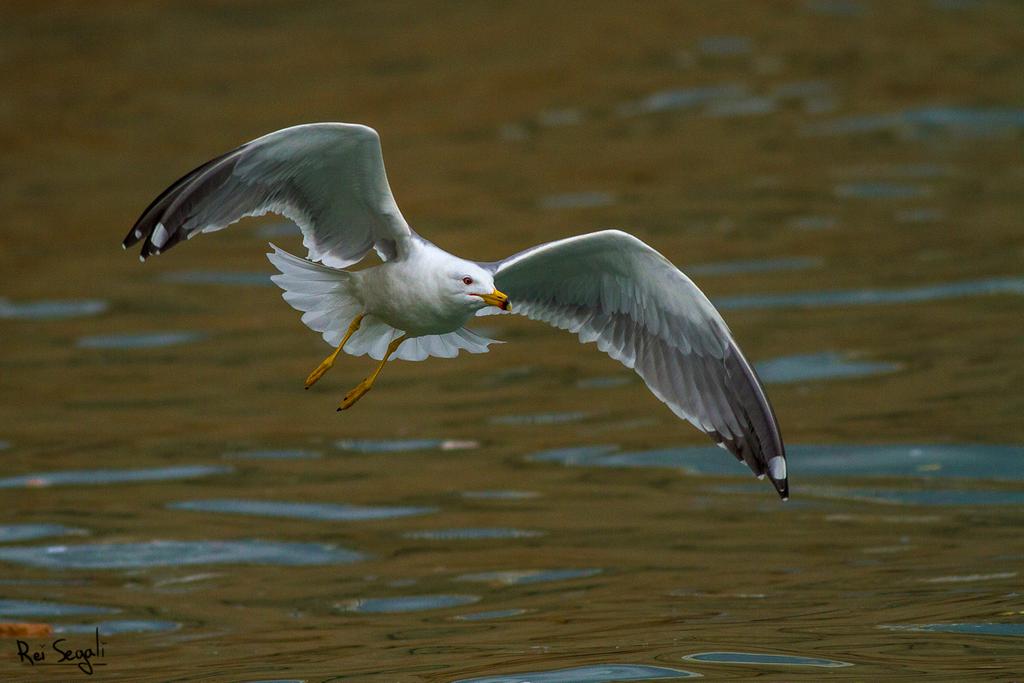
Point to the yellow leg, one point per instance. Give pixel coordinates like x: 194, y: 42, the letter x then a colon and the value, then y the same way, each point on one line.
x: 360, y: 389
x: 329, y: 361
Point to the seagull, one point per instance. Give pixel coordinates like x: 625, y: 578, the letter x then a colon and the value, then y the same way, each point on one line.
x: 608, y: 287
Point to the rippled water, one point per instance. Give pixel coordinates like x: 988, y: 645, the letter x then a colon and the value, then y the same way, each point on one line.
x: 842, y: 177
x: 146, y: 340
x: 34, y: 608
x: 325, y: 511
x: 175, y: 554
x: 27, y: 532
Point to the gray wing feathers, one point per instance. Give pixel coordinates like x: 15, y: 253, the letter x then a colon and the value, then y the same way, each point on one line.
x: 328, y: 178
x: 612, y: 289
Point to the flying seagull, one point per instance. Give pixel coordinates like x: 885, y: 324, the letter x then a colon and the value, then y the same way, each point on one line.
x: 608, y: 287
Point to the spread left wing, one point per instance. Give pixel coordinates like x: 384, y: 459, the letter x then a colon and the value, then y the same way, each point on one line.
x: 327, y: 177
x: 611, y: 288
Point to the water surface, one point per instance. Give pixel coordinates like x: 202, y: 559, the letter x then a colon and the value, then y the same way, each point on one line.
x: 928, y: 461
x: 36, y: 608
x: 176, y: 553
x: 876, y: 297
x: 529, y: 576
x: 51, y: 310
x: 409, y: 603
x: 402, y: 445
x: 842, y: 177
x: 818, y: 366
x: 600, y: 673
x: 119, y: 626
x: 10, y: 533
x: 103, y: 477
x: 324, y: 511
x: 142, y: 340
x: 472, y: 534
x: 762, y: 659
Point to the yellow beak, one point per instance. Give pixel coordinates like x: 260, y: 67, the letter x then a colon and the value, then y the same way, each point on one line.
x: 496, y: 298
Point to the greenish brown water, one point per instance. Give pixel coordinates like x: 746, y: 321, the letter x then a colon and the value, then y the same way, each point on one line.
x: 844, y: 178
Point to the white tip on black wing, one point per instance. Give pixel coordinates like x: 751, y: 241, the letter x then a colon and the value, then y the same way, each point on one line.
x: 760, y: 445
x: 160, y: 230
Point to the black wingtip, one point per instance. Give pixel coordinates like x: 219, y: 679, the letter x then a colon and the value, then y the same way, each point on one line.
x: 133, y: 236
x: 776, y: 471
x: 152, y: 214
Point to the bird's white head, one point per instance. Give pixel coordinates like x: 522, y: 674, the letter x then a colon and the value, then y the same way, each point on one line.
x: 474, y: 287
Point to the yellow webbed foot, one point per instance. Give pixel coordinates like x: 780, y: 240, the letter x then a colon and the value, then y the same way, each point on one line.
x: 329, y: 361
x: 360, y: 389
x: 319, y: 372
x: 357, y: 393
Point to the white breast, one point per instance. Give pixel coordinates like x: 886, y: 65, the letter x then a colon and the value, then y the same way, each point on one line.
x: 412, y: 294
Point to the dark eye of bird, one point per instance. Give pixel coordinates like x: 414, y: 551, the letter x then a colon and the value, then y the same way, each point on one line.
x: 467, y: 280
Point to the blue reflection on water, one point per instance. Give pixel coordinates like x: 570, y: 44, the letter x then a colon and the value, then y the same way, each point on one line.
x: 575, y: 455
x: 566, y: 116
x: 36, y: 608
x: 742, y: 106
x: 408, y: 603
x: 471, y: 534
x: 528, y: 576
x: 119, y: 626
x: 317, y: 511
x: 402, y: 445
x: 827, y: 365
x: 686, y: 98
x: 761, y: 658
x: 51, y: 310
x: 147, y: 340
x: 925, y: 122
x: 880, y: 190
x: 493, y: 614
x: 977, y: 461
x: 941, y: 497
x: 27, y: 532
x: 899, y: 170
x: 539, y: 418
x: 869, y: 297
x: 594, y: 673
x: 176, y: 553
x: 77, y: 477
x: 920, y: 215
x: 981, y: 629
